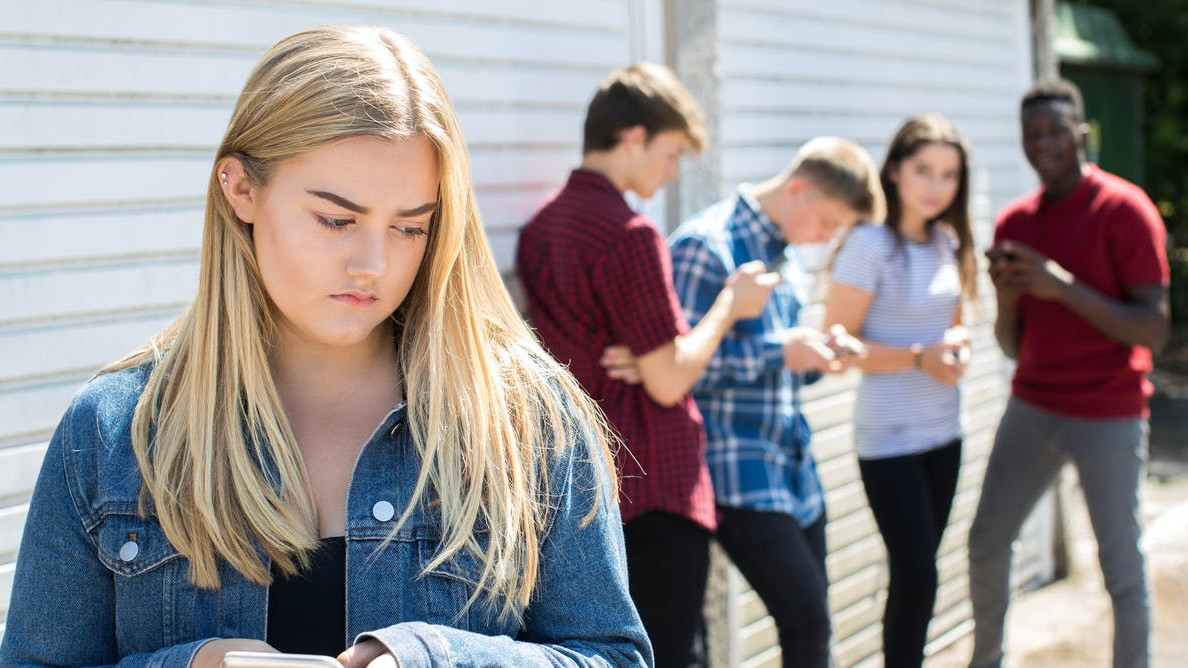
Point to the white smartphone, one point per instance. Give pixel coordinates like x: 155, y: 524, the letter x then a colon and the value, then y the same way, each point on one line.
x: 274, y: 660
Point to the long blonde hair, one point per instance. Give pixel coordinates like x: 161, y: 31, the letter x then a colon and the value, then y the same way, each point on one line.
x: 488, y: 408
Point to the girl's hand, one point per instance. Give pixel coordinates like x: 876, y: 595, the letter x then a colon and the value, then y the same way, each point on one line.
x: 211, y: 654
x: 957, y: 338
x: 368, y: 654
x: 947, y: 361
x: 939, y: 362
x: 846, y: 347
x: 957, y: 335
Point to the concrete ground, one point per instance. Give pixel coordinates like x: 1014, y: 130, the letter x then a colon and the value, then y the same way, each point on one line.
x: 1068, y: 624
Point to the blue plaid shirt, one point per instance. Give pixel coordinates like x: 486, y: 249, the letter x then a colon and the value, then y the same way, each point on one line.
x: 757, y: 440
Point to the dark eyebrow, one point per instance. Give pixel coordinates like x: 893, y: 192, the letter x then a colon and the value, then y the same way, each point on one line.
x: 345, y: 203
x: 427, y: 207
x: 339, y: 200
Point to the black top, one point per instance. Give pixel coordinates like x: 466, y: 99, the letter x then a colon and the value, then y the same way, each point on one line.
x: 307, y: 612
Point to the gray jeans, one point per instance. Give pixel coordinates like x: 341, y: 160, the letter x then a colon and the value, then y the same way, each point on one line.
x: 1029, y: 449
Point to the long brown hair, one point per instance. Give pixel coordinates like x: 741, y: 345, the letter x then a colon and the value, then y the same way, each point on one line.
x: 914, y: 134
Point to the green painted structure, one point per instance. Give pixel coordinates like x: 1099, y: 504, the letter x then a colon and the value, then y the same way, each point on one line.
x: 1096, y: 54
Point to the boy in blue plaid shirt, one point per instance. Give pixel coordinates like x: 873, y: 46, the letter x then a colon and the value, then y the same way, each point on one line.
x: 770, y: 501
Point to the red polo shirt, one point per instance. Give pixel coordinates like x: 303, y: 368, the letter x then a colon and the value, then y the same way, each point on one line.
x: 1109, y: 235
x: 597, y: 274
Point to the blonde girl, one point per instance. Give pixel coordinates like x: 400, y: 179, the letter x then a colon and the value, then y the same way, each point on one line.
x: 350, y: 443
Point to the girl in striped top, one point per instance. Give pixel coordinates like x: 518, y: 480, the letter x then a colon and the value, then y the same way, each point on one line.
x: 900, y: 285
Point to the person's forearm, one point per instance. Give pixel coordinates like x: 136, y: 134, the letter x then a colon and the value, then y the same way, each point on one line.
x: 1007, y: 326
x: 690, y: 353
x: 882, y: 358
x: 1129, y: 323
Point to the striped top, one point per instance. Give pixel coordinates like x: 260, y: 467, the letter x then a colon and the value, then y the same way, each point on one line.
x: 917, y: 289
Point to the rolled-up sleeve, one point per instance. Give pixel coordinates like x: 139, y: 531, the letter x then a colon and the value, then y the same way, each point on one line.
x: 747, y: 351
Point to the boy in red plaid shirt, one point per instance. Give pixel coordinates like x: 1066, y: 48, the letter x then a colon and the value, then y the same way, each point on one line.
x: 597, y: 274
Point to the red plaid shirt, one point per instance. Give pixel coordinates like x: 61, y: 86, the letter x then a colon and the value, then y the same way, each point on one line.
x: 597, y: 274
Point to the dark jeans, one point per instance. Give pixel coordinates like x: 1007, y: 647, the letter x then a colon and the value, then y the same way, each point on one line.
x: 910, y: 497
x: 785, y: 564
x: 667, y: 567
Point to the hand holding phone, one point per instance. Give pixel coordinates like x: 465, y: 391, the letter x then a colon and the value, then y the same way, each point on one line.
x: 843, y: 344
x: 957, y: 340
x: 1004, y: 266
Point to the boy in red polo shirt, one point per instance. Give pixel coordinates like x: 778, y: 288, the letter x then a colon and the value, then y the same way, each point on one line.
x: 1080, y: 272
x: 596, y: 274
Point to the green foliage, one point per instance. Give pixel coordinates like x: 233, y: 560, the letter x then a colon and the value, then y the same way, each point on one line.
x: 1159, y: 26
x: 1178, y: 258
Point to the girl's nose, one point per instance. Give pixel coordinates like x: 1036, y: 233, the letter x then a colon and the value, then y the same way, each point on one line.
x: 368, y: 255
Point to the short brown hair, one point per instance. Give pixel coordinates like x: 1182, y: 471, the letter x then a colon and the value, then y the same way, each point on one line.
x: 644, y: 94
x: 842, y: 170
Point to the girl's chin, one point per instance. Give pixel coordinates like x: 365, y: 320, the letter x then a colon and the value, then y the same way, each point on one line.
x: 341, y: 338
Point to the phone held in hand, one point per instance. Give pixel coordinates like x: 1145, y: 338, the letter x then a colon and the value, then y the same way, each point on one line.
x: 273, y: 660
x: 960, y: 355
x: 844, y: 346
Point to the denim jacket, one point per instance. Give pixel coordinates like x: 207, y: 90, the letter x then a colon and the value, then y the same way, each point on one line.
x: 96, y: 584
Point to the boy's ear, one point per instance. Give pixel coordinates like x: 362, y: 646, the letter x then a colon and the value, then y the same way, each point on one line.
x: 796, y: 186
x: 633, y: 137
x: 241, y: 192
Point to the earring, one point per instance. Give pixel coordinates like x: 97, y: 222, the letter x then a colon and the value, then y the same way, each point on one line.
x: 223, y: 176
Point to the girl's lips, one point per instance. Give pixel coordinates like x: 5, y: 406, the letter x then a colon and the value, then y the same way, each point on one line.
x: 355, y: 298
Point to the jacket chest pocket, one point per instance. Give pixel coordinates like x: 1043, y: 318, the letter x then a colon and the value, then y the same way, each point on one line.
x: 146, y: 570
x: 443, y: 592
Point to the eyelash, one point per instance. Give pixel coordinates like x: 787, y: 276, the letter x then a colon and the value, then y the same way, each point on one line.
x: 339, y: 224
x: 414, y: 232
x: 333, y: 223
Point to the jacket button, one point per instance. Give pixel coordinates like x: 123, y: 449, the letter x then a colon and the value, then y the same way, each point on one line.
x: 129, y: 550
x: 383, y: 511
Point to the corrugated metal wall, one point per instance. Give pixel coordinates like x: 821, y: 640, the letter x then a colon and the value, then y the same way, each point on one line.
x: 858, y: 68
x: 110, y: 112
